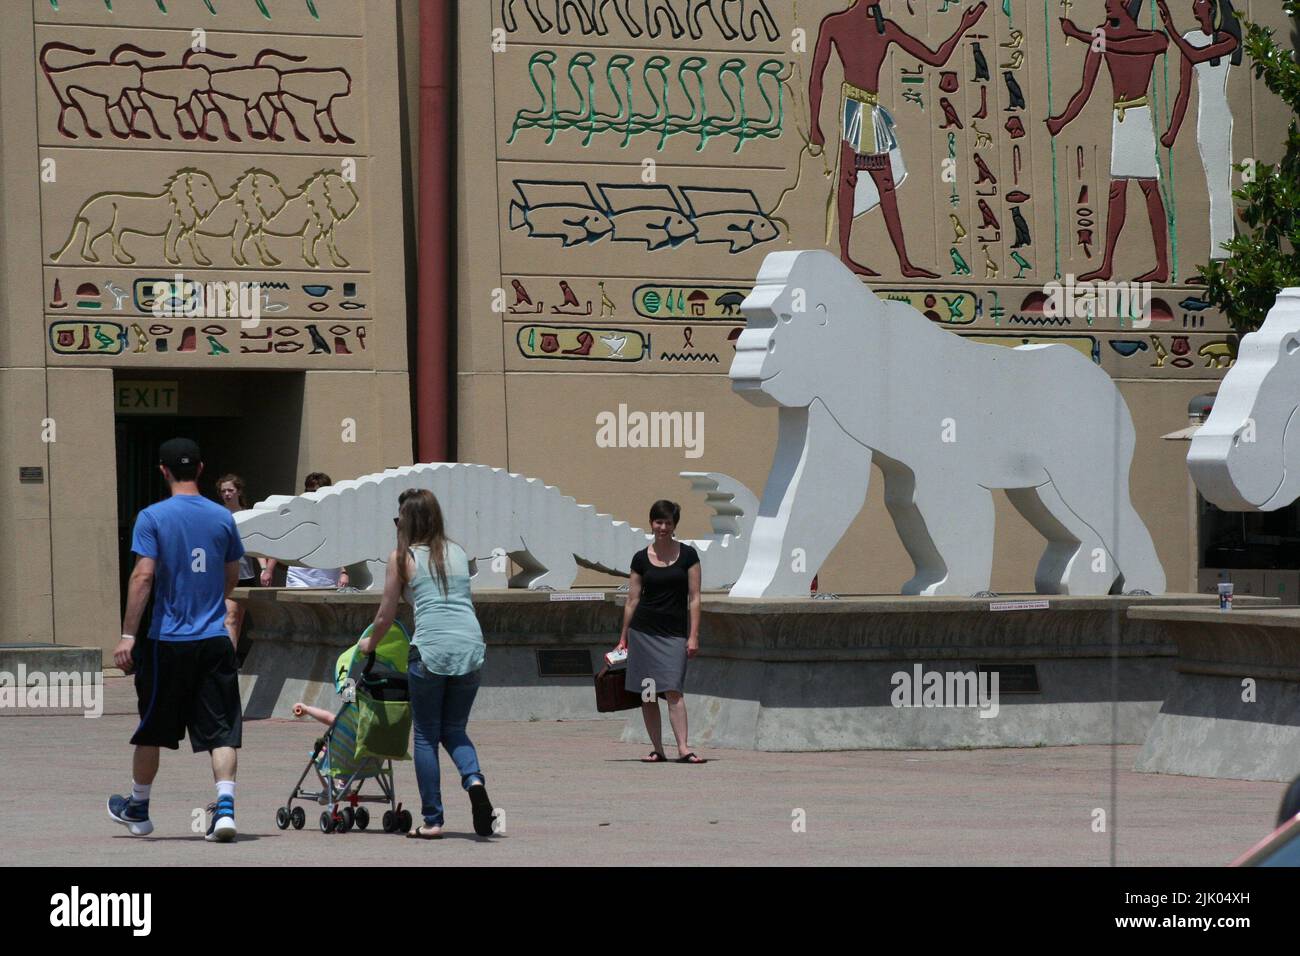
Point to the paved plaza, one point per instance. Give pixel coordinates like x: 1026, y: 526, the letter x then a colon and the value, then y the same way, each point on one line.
x: 574, y: 795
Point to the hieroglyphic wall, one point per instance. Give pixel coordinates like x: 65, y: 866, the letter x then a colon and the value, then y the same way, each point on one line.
x: 627, y: 164
x: 189, y: 143
x: 152, y: 147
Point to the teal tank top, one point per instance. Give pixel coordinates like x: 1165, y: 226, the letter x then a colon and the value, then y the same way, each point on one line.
x: 447, y: 632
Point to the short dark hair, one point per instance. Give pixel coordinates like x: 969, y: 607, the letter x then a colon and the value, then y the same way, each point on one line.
x: 181, y: 457
x: 665, y: 509
x: 319, y: 479
x: 184, y: 472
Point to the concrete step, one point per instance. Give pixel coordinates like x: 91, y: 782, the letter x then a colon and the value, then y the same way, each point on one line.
x: 49, y: 658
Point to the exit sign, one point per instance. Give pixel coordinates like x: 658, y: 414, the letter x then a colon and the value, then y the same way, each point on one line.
x: 146, y: 398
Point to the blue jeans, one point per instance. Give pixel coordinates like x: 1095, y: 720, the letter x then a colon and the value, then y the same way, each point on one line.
x: 440, y: 708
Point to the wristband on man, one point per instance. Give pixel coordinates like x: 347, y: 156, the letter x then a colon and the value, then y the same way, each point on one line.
x: 128, y: 637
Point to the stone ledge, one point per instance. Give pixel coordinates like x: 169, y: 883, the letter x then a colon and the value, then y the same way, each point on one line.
x: 50, y: 658
x: 783, y: 675
x: 1204, y: 727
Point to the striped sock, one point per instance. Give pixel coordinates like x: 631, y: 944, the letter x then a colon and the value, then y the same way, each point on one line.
x: 226, y: 788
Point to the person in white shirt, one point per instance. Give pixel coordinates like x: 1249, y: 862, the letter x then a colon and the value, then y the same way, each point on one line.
x: 299, y: 577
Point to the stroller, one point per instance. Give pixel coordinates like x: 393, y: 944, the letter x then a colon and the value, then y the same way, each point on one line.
x: 369, y: 732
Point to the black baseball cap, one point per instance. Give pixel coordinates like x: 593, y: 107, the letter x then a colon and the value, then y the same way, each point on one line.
x: 179, y: 452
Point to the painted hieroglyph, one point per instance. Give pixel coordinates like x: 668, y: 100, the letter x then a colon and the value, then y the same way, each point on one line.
x: 199, y: 159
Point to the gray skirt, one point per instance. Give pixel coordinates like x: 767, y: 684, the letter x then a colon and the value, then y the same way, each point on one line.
x: 661, y: 659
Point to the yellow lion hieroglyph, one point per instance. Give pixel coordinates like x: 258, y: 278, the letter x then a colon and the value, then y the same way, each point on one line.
x: 256, y: 198
x: 322, y: 202
x: 173, y: 214
x: 191, y: 206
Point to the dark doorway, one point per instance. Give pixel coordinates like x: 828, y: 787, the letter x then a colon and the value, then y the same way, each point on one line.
x: 246, y: 423
x: 140, y: 484
x: 226, y: 447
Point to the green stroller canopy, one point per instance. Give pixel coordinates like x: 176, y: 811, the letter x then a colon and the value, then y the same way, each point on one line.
x: 390, y: 654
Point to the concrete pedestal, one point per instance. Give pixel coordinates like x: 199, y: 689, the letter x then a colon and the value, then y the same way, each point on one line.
x: 790, y: 674
x: 1233, y: 705
x: 49, y: 659
x: 821, y: 675
x: 298, y: 634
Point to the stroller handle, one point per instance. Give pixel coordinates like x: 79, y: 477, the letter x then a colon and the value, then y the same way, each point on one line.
x: 370, y: 662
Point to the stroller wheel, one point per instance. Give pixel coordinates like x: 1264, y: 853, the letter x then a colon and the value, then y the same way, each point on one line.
x: 404, y: 821
x: 363, y: 818
x: 346, y: 819
x: 389, y: 821
x: 298, y: 817
x: 326, y: 822
x: 282, y: 818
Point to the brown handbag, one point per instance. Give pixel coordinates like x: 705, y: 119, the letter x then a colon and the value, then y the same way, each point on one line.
x: 611, y: 695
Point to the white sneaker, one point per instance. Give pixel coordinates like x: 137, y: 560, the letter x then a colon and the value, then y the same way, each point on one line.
x: 133, y: 814
x: 222, y: 828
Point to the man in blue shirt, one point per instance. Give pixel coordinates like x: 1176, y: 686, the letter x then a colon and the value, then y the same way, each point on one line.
x: 187, y: 552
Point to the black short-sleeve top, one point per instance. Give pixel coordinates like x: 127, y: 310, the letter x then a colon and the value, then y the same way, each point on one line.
x: 662, y: 609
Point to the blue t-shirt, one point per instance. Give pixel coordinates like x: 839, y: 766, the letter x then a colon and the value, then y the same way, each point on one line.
x: 191, y: 539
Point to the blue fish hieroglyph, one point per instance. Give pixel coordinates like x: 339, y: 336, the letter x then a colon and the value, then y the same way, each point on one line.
x: 732, y: 216
x: 659, y: 216
x: 649, y: 214
x: 566, y: 211
x: 676, y: 100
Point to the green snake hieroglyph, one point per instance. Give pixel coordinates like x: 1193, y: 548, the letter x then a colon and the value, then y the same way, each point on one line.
x: 657, y: 91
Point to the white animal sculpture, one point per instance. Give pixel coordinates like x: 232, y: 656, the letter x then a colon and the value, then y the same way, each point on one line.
x: 1246, y: 457
x: 858, y: 380
x: 492, y: 514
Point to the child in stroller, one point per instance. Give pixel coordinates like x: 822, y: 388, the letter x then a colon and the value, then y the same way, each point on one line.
x: 366, y: 734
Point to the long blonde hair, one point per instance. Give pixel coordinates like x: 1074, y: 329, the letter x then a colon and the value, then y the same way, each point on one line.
x: 419, y: 522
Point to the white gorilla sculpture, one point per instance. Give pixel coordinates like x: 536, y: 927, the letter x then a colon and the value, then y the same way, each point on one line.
x: 858, y: 380
x: 1243, y: 458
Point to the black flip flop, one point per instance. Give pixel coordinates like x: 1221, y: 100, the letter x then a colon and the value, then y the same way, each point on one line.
x: 690, y: 758
x: 655, y: 756
x: 481, y: 807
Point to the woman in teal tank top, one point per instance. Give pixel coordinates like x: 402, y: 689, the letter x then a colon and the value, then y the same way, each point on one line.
x: 446, y: 654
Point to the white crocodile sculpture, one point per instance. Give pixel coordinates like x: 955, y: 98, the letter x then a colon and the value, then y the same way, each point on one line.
x: 493, y: 514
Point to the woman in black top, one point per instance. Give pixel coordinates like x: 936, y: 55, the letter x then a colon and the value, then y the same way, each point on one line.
x: 661, y: 628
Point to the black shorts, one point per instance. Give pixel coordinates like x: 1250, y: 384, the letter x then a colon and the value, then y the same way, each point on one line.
x: 187, y: 685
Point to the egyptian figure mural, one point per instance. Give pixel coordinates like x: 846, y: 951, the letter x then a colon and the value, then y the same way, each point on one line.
x: 1019, y: 172
x: 870, y: 158
x: 1207, y: 53
x: 996, y: 148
